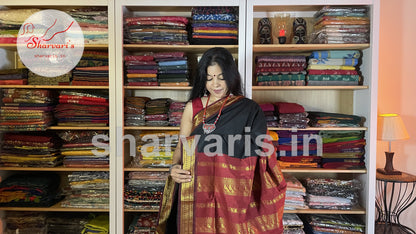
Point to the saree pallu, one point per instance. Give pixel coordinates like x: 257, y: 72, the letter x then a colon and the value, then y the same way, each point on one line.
x: 244, y: 193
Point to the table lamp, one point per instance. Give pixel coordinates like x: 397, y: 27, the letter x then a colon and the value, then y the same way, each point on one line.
x: 390, y: 128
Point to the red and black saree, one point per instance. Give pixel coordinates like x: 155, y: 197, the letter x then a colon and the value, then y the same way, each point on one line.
x: 235, y: 188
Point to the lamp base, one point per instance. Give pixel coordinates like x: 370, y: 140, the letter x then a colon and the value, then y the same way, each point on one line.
x: 384, y: 172
x: 388, y: 168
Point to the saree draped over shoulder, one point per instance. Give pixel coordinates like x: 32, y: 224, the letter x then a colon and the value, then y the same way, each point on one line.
x: 237, y: 185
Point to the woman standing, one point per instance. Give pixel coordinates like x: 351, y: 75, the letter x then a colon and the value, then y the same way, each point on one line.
x: 224, y: 177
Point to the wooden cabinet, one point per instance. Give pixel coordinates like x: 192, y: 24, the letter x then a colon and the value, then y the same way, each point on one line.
x: 356, y: 100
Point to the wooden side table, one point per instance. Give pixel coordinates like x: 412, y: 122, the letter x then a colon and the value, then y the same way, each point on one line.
x: 394, y: 194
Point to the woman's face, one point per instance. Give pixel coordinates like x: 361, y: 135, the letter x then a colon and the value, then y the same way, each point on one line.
x: 216, y: 84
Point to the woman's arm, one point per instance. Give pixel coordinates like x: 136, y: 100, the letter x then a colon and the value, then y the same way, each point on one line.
x: 176, y: 172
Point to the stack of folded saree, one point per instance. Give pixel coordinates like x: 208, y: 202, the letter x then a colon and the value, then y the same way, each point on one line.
x: 157, y: 112
x: 82, y: 108
x: 334, y: 67
x: 30, y: 190
x: 13, y: 76
x: 10, y: 22
x: 141, y: 70
x: 214, y: 26
x: 143, y: 223
x: 332, y: 194
x: 92, y: 69
x: 135, y: 110
x: 79, y: 150
x: 334, y: 223
x: 295, y: 194
x: 280, y: 70
x: 176, y: 109
x: 269, y: 113
x: 27, y: 149
x: 26, y: 222
x: 93, y: 22
x: 163, y: 30
x: 291, y: 115
x: 87, y: 190
x: 26, y: 109
x: 298, y: 149
x: 343, y: 149
x: 173, y: 69
x: 98, y: 225
x: 67, y: 222
x: 156, y: 149
x: 90, y: 76
x: 143, y: 190
x: 341, y: 25
x: 292, y: 224
x: 35, y: 79
x: 327, y: 120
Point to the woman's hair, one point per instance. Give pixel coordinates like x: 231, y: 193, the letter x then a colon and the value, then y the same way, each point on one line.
x: 224, y: 59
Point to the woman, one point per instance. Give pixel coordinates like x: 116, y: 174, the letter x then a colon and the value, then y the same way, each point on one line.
x: 224, y: 177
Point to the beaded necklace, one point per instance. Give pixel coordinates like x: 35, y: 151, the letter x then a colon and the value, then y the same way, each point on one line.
x: 208, y: 128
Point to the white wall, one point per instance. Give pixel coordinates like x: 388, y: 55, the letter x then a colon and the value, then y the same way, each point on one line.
x: 397, y: 84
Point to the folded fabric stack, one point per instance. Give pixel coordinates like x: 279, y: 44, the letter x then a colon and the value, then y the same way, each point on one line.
x: 93, y: 22
x: 67, y: 222
x: 87, y: 189
x: 292, y: 224
x: 98, y: 225
x: 173, y: 69
x: 13, y: 76
x: 332, y: 194
x: 176, y: 109
x: 214, y: 26
x: 343, y: 149
x: 26, y: 109
x: 298, y: 149
x: 157, y: 112
x: 92, y: 76
x: 291, y: 115
x: 92, y: 69
x: 341, y: 25
x: 156, y: 149
x: 334, y: 67
x: 163, y: 30
x: 135, y: 110
x: 82, y: 108
x: 141, y: 70
x: 26, y: 222
x: 143, y: 223
x: 10, y: 22
x: 92, y: 58
x: 328, y: 120
x: 269, y: 113
x: 30, y: 150
x: 143, y: 190
x: 295, y: 194
x: 79, y: 150
x: 334, y: 223
x: 280, y: 70
x: 35, y: 79
x: 30, y: 190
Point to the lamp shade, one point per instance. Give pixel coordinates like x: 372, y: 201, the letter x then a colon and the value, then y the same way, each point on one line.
x: 390, y: 127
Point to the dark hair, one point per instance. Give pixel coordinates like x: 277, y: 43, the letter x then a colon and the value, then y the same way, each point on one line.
x: 225, y: 60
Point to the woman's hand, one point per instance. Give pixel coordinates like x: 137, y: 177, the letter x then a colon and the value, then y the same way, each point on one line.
x: 179, y: 175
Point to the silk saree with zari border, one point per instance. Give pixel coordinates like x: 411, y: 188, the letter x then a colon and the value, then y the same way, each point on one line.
x: 235, y: 187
